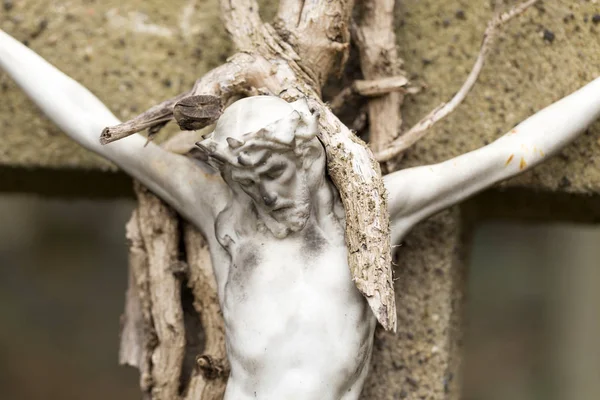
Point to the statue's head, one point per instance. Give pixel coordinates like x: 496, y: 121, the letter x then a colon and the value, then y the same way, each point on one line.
x: 268, y: 150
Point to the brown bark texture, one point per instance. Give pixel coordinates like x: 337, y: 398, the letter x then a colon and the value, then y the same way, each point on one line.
x: 172, y: 328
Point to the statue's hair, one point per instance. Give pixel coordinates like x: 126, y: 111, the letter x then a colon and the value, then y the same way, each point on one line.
x: 289, y: 133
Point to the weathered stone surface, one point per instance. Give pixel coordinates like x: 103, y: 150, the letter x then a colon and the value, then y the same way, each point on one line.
x: 134, y: 54
x: 130, y: 54
x: 525, y: 71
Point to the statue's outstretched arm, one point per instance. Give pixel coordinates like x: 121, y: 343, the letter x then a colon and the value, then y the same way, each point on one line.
x: 82, y: 116
x: 417, y: 193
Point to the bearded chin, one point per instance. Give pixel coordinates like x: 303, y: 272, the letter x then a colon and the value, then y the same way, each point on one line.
x: 288, y: 222
x: 297, y: 217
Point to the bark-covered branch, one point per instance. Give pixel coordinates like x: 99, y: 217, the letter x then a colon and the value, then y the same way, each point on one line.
x: 243, y: 23
x: 155, y: 116
x: 419, y: 130
x: 137, y: 331
x: 352, y: 169
x: 319, y: 33
x: 376, y: 41
x: 210, y: 377
x: 369, y: 88
x: 159, y: 231
x: 224, y: 82
x: 159, y: 335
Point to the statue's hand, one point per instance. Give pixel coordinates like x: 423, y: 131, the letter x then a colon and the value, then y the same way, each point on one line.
x: 417, y: 193
x: 194, y: 193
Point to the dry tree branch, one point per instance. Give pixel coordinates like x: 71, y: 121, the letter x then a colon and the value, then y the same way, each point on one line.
x: 209, y: 380
x: 243, y: 23
x: 154, y: 116
x: 352, y: 169
x: 137, y: 332
x: 319, y: 33
x: 158, y: 226
x: 272, y: 66
x: 225, y: 81
x: 376, y: 40
x: 369, y: 88
x: 380, y: 87
x: 152, y: 334
x: 419, y: 130
x: 250, y: 34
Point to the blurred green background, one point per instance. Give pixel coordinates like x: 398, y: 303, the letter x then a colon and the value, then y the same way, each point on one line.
x: 533, y: 312
x: 63, y: 274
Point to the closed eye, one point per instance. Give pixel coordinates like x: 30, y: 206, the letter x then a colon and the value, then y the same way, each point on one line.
x: 275, y: 172
x: 245, y: 182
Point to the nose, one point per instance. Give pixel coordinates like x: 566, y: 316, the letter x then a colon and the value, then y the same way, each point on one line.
x: 268, y: 198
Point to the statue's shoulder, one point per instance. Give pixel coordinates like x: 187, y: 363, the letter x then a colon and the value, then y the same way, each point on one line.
x: 232, y: 224
x: 224, y: 228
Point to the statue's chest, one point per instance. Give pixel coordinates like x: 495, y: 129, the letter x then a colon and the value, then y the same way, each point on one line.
x: 291, y: 309
x: 274, y: 275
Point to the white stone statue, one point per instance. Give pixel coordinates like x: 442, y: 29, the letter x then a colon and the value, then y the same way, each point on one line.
x: 296, y: 326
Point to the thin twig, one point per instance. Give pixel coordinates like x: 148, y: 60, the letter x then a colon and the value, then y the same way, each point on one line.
x: 225, y: 81
x: 157, y: 115
x: 378, y: 87
x: 376, y: 40
x: 415, y: 133
x: 369, y: 88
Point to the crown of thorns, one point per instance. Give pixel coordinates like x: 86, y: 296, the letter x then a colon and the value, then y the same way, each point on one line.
x: 254, y: 147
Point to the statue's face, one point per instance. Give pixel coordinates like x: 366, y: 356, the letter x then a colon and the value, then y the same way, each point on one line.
x: 278, y: 187
x: 268, y: 149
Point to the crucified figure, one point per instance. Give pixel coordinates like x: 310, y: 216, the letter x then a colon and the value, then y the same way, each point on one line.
x: 296, y: 325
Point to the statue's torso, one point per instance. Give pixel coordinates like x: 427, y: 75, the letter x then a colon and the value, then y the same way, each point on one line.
x: 297, y: 327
